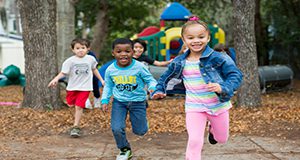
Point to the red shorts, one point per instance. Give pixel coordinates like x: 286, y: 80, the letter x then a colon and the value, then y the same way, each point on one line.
x: 77, y: 98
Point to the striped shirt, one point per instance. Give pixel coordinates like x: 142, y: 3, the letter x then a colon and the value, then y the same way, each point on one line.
x: 198, y: 98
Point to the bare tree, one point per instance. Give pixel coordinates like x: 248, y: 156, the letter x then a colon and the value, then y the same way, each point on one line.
x: 245, y: 45
x: 38, y: 19
x: 260, y: 35
x: 18, y: 27
x: 65, y: 28
x: 101, y: 27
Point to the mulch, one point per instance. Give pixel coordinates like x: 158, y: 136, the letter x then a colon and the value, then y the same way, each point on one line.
x: 278, y: 116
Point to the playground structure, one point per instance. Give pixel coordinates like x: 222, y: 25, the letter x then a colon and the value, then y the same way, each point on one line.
x: 165, y: 43
x: 12, y: 76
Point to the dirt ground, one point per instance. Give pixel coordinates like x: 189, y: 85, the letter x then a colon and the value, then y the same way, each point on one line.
x: 25, y: 131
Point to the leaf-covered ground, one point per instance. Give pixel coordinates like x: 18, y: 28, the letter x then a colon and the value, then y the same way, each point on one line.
x: 279, y: 116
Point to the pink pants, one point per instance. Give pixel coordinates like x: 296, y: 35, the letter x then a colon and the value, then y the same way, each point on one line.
x: 196, y: 123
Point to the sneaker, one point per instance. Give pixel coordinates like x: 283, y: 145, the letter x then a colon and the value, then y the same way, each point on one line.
x: 124, y: 155
x: 211, y: 138
x: 88, y: 104
x: 75, y: 132
x: 97, y: 103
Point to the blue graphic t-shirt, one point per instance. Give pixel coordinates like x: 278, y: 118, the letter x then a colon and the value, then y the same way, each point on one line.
x: 127, y: 84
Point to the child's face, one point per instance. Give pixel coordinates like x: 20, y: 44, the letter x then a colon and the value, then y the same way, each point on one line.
x: 80, y: 50
x: 138, y: 49
x: 196, y: 37
x: 123, y: 54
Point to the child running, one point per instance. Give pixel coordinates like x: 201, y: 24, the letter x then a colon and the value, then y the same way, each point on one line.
x: 125, y: 80
x: 209, y: 79
x: 96, y: 90
x: 79, y: 69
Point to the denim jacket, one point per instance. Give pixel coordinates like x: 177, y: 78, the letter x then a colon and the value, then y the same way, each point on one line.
x: 215, y: 67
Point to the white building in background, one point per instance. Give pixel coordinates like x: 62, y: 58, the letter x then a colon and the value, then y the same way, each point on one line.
x: 11, y: 52
x: 10, y: 17
x: 11, y: 45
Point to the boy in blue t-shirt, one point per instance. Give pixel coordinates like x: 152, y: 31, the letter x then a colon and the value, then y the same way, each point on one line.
x: 125, y: 80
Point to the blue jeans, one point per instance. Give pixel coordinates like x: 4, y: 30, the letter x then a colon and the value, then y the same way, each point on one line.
x: 138, y: 119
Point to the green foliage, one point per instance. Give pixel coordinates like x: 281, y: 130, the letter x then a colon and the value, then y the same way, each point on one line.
x: 85, y: 11
x: 284, y: 17
x: 49, y: 107
x: 213, y: 12
x: 130, y: 13
x: 283, y: 21
x: 126, y: 18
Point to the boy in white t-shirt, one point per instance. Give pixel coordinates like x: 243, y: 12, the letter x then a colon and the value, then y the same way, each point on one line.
x: 79, y: 69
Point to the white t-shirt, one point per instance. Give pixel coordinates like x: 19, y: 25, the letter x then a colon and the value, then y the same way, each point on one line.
x: 79, y: 72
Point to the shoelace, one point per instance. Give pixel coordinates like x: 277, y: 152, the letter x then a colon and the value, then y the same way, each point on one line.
x: 123, y: 152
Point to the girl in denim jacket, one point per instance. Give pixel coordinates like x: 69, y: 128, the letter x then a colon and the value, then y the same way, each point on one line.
x: 209, y: 79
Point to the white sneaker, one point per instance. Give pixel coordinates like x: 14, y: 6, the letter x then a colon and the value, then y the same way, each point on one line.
x: 97, y: 103
x: 124, y: 155
x: 88, y: 104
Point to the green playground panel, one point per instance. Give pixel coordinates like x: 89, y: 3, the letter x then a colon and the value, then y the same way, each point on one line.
x: 154, y: 45
x: 213, y: 41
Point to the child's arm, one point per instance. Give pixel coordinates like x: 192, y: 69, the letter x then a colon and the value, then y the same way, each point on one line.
x: 104, y: 107
x: 232, y: 77
x: 151, y: 82
x: 55, y: 80
x: 164, y: 79
x: 214, y: 87
x: 97, y: 74
x: 158, y: 95
x: 148, y: 78
x: 162, y: 63
x: 107, y: 90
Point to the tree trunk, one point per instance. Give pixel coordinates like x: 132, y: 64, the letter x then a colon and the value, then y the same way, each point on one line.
x: 244, y: 43
x: 261, y: 36
x: 38, y: 18
x: 65, y: 29
x: 100, y: 28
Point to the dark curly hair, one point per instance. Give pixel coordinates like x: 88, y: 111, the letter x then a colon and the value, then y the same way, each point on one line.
x: 143, y: 43
x: 122, y: 41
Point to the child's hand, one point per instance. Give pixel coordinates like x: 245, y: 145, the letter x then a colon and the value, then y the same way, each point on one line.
x: 104, y: 107
x: 158, y: 96
x: 103, y: 83
x: 214, y: 87
x: 53, y: 83
x: 151, y: 91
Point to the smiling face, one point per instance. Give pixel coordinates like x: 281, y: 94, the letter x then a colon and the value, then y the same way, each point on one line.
x: 138, y: 49
x: 123, y: 54
x: 196, y: 37
x: 80, y: 50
